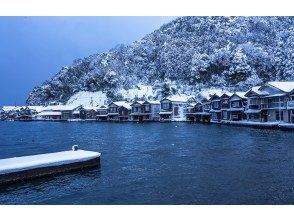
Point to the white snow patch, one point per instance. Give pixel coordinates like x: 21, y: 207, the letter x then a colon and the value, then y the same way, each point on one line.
x: 139, y: 92
x: 179, y: 98
x: 88, y: 98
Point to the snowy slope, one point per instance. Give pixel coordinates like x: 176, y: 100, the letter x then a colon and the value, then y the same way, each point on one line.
x: 140, y: 91
x: 88, y: 99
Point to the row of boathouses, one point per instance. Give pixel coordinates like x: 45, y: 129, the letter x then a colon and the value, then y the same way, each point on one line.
x: 272, y: 102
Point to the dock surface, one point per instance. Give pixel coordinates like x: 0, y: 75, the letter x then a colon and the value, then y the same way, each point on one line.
x: 27, y: 167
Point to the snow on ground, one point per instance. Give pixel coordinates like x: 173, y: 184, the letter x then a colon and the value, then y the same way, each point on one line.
x: 88, y: 99
x: 17, y: 164
x: 180, y: 98
x: 139, y: 92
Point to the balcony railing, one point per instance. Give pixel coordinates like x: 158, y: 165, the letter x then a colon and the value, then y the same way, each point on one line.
x: 273, y: 105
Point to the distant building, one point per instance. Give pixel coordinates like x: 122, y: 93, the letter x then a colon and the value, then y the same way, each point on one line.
x: 56, y: 112
x: 270, y: 102
x: 216, y: 112
x: 102, y: 112
x: 225, y: 106
x: 119, y: 111
x: 237, y: 104
x: 204, y: 116
x: 173, y: 109
x: 145, y: 111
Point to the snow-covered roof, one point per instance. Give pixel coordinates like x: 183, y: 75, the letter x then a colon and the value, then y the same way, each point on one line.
x: 12, y: 108
x: 179, y: 98
x: 228, y: 94
x: 90, y: 108
x: 37, y: 108
x: 284, y: 86
x: 61, y: 107
x: 139, y: 102
x: 123, y: 104
x: 207, y: 93
x: 256, y: 89
x: 152, y: 102
x: 49, y: 113
x: 17, y: 164
x: 240, y: 94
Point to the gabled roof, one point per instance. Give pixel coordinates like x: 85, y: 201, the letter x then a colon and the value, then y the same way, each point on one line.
x: 137, y: 102
x: 241, y: 95
x: 122, y: 104
x: 204, y: 100
x: 152, y: 102
x: 49, y: 113
x: 127, y: 106
x: 283, y: 86
x: 214, y: 96
x: 227, y: 94
x: 102, y: 107
x: 256, y: 90
x: 11, y: 108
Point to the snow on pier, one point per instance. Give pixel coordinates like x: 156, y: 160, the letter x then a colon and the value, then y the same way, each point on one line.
x: 27, y: 167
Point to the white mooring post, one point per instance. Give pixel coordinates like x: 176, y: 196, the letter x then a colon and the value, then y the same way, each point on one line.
x: 75, y: 147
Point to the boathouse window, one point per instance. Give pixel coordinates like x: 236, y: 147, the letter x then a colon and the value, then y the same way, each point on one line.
x: 147, y: 108
x: 215, y: 104
x: 225, y: 115
x: 235, y: 104
x: 253, y: 101
x: 112, y: 109
x: 166, y: 105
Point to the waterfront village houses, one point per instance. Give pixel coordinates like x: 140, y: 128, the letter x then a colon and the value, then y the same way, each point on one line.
x: 233, y: 108
x: 56, y: 112
x: 215, y: 110
x: 271, y: 102
x: 88, y: 113
x: 102, y: 113
x: 119, y: 111
x: 173, y: 109
x: 145, y: 111
x: 198, y: 112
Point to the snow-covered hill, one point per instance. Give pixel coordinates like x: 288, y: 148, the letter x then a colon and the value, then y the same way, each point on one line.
x: 185, y: 56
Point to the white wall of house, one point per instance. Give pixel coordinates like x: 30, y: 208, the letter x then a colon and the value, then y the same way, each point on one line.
x: 178, y: 112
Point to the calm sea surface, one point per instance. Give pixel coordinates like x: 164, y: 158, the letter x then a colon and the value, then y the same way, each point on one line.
x: 155, y: 163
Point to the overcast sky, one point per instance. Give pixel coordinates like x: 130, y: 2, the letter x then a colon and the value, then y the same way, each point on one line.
x: 33, y: 49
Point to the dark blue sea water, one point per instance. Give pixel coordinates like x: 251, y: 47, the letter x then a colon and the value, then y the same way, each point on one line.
x: 156, y: 163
